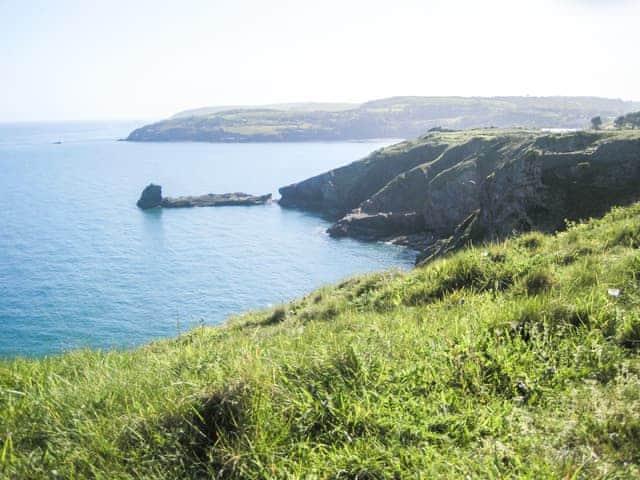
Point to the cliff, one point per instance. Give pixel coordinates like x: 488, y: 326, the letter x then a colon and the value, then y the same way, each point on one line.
x: 397, y: 117
x: 448, y: 188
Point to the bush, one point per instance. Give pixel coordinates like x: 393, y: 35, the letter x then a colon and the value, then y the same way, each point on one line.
x: 537, y: 282
x: 628, y: 236
x: 531, y: 241
x: 629, y: 332
x: 277, y: 316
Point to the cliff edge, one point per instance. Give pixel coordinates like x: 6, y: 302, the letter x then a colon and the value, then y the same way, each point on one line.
x: 446, y: 189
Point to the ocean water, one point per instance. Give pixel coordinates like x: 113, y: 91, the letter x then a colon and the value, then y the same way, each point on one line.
x: 81, y: 266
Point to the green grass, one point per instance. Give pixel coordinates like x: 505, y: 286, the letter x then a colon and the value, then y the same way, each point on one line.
x: 510, y: 360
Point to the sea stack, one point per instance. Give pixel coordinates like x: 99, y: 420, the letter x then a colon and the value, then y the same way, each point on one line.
x: 151, y: 197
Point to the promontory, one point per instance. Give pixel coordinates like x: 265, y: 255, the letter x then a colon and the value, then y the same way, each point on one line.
x: 450, y: 188
x: 395, y: 117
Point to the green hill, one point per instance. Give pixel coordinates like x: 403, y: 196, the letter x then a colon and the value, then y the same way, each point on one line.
x: 397, y: 117
x: 517, y: 359
x: 300, y: 107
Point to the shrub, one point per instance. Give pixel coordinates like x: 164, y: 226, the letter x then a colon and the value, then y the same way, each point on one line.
x: 277, y: 316
x: 629, y: 332
x: 531, y: 241
x: 628, y: 236
x: 537, y: 282
x: 322, y: 311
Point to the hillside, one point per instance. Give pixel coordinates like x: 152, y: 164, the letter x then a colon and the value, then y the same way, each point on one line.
x: 300, y: 107
x: 397, y: 117
x: 448, y: 188
x: 513, y: 360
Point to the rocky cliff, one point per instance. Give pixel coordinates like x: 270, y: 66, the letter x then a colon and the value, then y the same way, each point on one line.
x: 446, y: 189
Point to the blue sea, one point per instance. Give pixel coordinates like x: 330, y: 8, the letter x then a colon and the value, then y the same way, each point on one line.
x: 82, y: 266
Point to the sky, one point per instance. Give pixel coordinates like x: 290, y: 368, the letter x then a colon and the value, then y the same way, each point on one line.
x: 142, y: 59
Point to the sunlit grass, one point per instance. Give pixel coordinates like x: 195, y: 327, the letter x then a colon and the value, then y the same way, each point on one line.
x: 510, y: 360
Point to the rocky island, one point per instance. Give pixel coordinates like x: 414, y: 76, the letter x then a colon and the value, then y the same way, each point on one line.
x: 447, y: 189
x: 151, y: 197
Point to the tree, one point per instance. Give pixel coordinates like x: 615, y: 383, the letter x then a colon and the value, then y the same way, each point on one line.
x: 596, y: 122
x: 630, y: 120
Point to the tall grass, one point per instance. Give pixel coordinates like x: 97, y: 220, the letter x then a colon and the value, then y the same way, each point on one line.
x: 512, y: 360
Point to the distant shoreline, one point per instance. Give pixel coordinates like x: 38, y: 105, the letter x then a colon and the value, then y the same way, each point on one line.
x: 396, y: 117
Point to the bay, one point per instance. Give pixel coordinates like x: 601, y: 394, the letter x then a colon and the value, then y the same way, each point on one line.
x: 82, y: 266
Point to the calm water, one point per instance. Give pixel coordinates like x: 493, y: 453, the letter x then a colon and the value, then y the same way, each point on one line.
x: 80, y: 265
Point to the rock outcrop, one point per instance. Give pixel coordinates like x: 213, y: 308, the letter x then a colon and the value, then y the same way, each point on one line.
x: 447, y: 189
x: 216, y: 200
x: 152, y: 197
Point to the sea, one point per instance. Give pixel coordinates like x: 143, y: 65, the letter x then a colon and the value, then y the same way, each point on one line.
x: 82, y: 267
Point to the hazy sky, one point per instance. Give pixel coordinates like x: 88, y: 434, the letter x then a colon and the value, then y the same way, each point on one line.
x: 72, y: 59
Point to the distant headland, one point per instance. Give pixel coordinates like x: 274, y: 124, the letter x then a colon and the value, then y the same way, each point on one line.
x: 396, y: 117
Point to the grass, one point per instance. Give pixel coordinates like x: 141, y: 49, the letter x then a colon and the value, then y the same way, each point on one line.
x: 511, y: 360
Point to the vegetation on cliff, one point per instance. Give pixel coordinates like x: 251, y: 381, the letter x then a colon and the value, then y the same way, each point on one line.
x: 517, y: 359
x: 397, y: 117
x: 296, y: 107
x: 447, y: 188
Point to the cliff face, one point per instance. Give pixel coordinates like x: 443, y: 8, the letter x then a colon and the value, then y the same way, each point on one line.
x: 446, y: 189
x: 338, y: 191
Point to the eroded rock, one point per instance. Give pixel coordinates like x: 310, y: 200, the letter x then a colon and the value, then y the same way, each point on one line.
x: 151, y: 197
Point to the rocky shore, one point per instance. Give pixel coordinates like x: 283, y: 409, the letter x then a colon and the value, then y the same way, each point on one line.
x: 447, y: 189
x: 151, y: 197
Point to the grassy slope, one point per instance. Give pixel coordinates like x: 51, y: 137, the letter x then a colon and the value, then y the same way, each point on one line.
x: 300, y: 107
x: 510, y: 360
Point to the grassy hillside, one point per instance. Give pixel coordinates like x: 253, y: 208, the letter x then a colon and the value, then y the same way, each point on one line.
x: 397, y: 117
x: 511, y: 360
x: 301, y: 107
